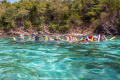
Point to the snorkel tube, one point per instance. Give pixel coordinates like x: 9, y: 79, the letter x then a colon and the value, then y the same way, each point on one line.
x: 14, y: 38
x: 112, y: 38
x: 76, y: 39
x: 92, y: 38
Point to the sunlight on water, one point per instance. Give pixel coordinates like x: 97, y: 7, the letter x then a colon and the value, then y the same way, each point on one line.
x: 64, y: 61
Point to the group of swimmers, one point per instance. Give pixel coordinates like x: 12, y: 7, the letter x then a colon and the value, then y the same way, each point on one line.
x: 68, y: 38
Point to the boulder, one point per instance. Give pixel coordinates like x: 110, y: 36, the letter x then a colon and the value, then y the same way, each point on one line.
x: 107, y: 29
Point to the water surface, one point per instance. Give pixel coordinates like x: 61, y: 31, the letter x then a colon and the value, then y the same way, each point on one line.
x: 63, y: 61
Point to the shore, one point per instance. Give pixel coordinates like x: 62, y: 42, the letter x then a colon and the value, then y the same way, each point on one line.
x: 45, y: 31
x: 108, y: 29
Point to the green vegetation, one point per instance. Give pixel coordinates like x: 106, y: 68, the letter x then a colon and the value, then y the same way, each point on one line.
x: 117, y: 21
x: 53, y: 26
x: 59, y: 14
x: 63, y: 28
x: 27, y: 24
x: 39, y: 27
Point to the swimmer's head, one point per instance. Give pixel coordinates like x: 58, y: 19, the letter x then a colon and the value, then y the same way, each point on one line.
x: 21, y: 36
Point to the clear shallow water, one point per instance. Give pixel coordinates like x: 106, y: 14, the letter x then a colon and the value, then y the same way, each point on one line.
x: 63, y: 61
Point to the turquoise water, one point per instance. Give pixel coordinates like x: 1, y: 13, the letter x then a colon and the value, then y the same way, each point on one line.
x: 63, y: 61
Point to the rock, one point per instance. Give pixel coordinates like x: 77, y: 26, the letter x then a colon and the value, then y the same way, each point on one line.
x: 0, y: 34
x: 107, y: 29
x: 77, y: 34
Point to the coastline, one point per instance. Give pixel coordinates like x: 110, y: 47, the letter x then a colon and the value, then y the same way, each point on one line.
x: 107, y: 29
x: 28, y: 32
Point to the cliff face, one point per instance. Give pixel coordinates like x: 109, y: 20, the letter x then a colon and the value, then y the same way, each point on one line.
x: 111, y: 27
x: 108, y: 29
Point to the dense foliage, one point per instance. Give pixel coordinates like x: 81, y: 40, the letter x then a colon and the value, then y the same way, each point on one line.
x: 59, y: 14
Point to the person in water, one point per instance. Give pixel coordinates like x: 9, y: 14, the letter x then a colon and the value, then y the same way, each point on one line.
x: 66, y: 38
x: 49, y: 38
x: 101, y: 37
x: 45, y: 37
x: 56, y: 38
x: 36, y: 37
x: 33, y: 37
x: 95, y: 38
x: 21, y: 37
x: 85, y: 39
x: 71, y: 39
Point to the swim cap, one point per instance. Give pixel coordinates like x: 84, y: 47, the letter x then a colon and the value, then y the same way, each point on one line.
x: 95, y: 37
x: 21, y: 34
x: 44, y: 35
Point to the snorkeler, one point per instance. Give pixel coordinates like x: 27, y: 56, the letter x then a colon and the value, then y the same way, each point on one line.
x: 36, y: 37
x: 57, y: 38
x: 33, y: 37
x: 95, y: 38
x: 66, y: 38
x: 21, y: 37
x: 71, y: 39
x: 45, y: 37
x: 85, y: 39
x: 101, y: 37
x: 49, y: 38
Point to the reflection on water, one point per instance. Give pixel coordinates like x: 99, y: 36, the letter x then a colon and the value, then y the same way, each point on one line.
x: 64, y: 61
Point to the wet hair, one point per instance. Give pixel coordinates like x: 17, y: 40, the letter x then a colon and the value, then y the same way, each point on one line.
x: 101, y: 34
x: 36, y: 37
x: 33, y: 35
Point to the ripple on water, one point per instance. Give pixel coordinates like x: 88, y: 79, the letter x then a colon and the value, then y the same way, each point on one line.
x: 64, y: 61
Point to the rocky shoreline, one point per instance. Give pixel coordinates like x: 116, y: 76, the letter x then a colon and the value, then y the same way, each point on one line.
x: 45, y: 31
x: 108, y: 29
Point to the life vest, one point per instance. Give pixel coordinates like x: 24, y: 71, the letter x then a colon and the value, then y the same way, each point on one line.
x: 90, y: 38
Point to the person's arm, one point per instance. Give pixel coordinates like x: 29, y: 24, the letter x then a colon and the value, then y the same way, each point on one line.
x: 105, y: 37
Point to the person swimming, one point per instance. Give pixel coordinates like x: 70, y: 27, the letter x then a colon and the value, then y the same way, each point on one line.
x: 71, y: 39
x: 85, y: 39
x: 33, y: 37
x: 49, y: 38
x: 95, y: 38
x: 36, y: 37
x: 45, y: 37
x: 21, y: 37
x: 56, y: 38
x: 101, y: 37
x: 66, y: 38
